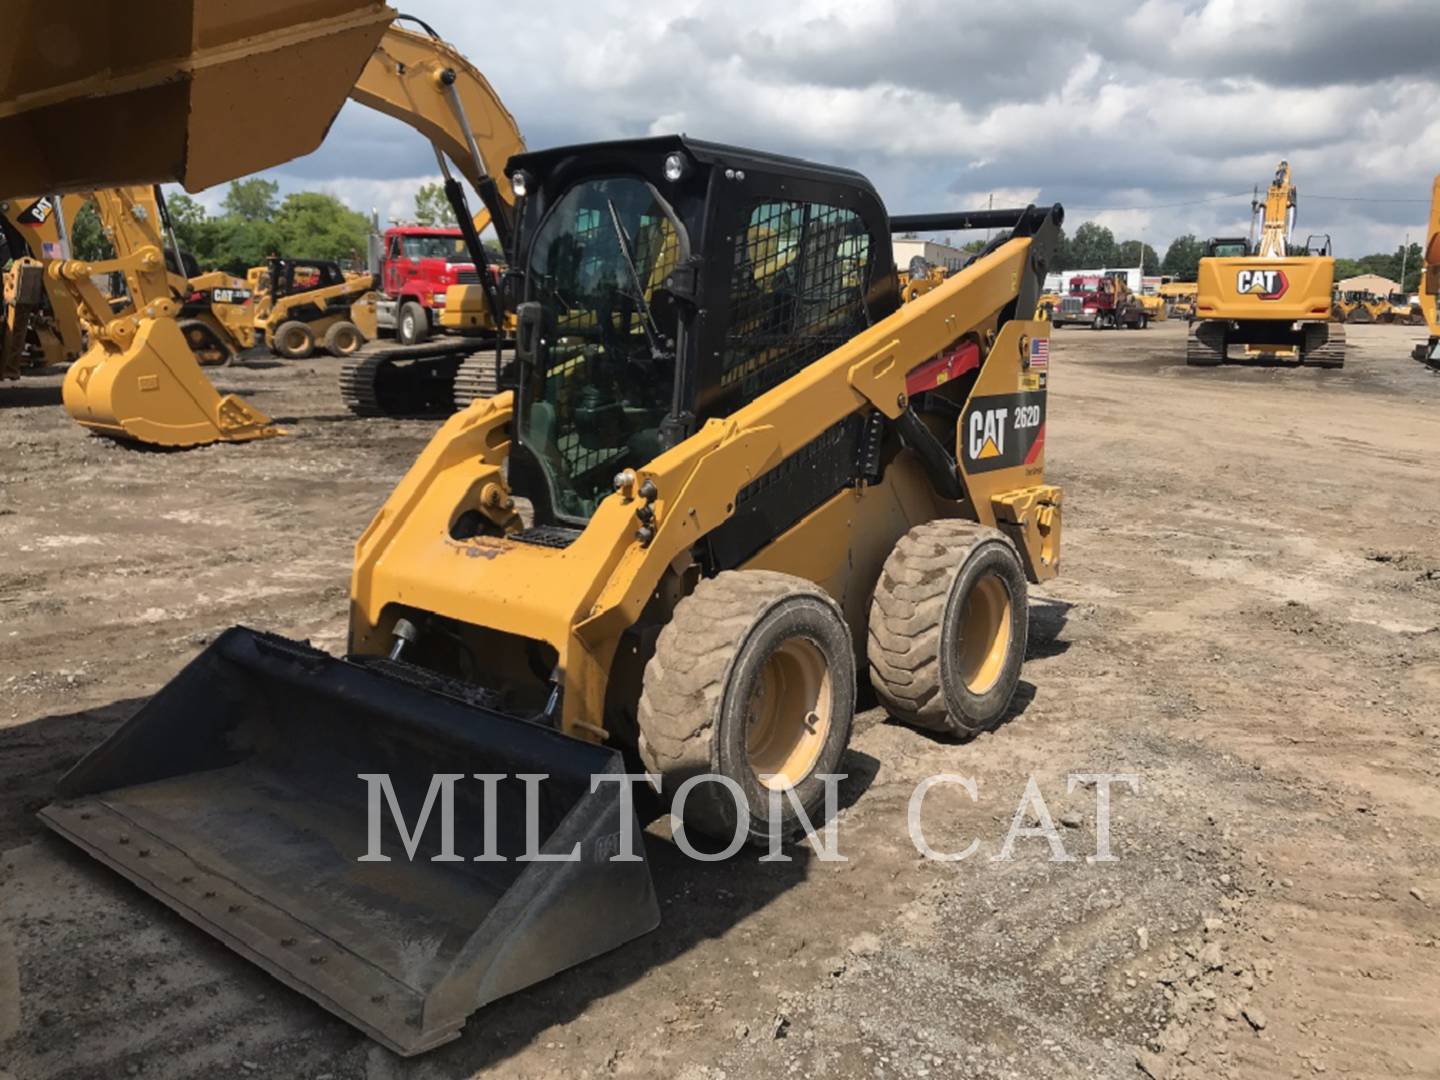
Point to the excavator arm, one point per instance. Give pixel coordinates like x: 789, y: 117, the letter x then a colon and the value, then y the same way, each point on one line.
x: 1429, y: 352
x: 422, y: 81
x: 1279, y: 207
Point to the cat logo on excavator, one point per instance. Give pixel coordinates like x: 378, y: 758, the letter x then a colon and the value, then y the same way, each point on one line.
x: 1266, y: 284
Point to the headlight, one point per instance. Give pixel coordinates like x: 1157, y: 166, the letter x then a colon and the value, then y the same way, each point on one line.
x: 676, y: 166
x: 519, y: 183
x: 438, y: 299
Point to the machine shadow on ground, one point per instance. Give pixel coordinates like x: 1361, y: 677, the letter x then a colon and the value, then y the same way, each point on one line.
x: 699, y: 901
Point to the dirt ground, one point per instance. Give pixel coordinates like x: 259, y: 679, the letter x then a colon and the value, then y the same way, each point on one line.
x: 1246, y: 620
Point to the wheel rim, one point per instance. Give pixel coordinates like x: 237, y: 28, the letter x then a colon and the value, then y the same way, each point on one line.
x: 789, y: 715
x: 984, y: 634
x: 407, y: 325
x: 347, y: 341
x: 294, y: 341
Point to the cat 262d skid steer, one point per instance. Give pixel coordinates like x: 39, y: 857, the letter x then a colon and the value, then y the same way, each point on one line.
x: 756, y: 477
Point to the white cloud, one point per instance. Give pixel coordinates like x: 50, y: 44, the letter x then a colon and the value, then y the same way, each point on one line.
x: 1178, y: 102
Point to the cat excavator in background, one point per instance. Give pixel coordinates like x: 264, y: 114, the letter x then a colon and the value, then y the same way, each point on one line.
x: 1272, y: 301
x: 67, y: 122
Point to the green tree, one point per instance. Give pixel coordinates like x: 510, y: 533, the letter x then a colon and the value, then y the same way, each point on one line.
x: 87, y: 236
x: 251, y: 200
x: 1136, y: 253
x: 1412, y: 263
x: 1093, y: 247
x: 1063, y: 258
x: 316, y: 226
x: 1182, y: 257
x: 193, y: 227
x: 432, y: 208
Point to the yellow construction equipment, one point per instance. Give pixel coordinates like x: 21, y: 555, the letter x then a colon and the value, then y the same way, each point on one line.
x: 139, y: 379
x: 1429, y: 351
x: 919, y: 278
x: 31, y: 231
x: 119, y: 76
x: 757, y: 478
x: 312, y: 303
x: 1272, y: 302
x: 1179, y: 297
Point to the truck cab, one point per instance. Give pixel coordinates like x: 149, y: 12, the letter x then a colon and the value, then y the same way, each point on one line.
x: 418, y: 264
x: 1100, y: 301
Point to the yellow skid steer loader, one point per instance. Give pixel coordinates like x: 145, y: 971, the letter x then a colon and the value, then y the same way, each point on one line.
x: 757, y: 478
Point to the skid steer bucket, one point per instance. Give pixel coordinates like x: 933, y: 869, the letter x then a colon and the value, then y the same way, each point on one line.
x: 199, y: 91
x: 236, y: 797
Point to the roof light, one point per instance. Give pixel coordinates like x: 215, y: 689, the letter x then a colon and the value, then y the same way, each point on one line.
x: 676, y: 166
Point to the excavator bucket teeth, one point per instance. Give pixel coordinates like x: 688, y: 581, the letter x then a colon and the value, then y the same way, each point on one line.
x: 154, y: 392
x: 212, y: 86
x: 237, y: 796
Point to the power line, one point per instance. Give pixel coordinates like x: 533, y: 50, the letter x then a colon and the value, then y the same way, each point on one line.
x: 1359, y: 198
x: 1166, y: 206
x: 1244, y: 195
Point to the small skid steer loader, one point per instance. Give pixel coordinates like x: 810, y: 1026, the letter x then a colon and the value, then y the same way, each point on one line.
x: 754, y: 478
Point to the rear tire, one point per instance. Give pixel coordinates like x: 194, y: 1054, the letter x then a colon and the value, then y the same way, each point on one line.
x: 294, y: 341
x: 754, y: 674
x: 413, y: 326
x: 344, y: 339
x: 948, y: 627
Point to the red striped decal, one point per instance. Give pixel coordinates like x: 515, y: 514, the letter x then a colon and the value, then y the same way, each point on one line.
x: 948, y: 365
x: 1038, y: 448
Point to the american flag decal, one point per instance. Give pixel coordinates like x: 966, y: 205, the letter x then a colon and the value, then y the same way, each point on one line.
x: 1039, y: 354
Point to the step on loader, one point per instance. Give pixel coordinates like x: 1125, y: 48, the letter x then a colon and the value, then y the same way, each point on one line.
x: 757, y: 478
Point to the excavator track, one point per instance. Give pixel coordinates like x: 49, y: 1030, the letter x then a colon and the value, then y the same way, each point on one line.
x: 482, y: 376
x: 402, y: 380
x: 1206, y: 345
x: 1324, y: 345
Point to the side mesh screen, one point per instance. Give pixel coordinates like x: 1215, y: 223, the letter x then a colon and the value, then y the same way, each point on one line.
x: 797, y: 291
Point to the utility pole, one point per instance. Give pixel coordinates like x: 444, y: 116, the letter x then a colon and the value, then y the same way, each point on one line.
x: 992, y: 207
x: 1404, y: 264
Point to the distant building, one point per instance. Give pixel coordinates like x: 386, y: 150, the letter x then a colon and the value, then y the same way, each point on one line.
x: 1369, y: 283
x: 936, y: 254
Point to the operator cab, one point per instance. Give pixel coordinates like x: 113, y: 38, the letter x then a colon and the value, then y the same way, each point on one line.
x: 666, y: 281
x: 1228, y: 247
x: 287, y: 276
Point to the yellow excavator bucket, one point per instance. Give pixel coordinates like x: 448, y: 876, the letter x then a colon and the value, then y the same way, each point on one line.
x: 153, y: 392
x: 98, y: 95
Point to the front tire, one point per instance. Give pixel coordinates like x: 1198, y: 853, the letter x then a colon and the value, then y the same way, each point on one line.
x: 948, y: 627
x: 414, y: 324
x: 294, y: 341
x: 344, y: 339
x: 754, y: 676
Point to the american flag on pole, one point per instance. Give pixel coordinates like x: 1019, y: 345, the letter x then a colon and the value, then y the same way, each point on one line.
x: 1039, y: 354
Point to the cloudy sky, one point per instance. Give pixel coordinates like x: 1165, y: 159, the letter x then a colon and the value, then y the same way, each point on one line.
x: 1155, y: 122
